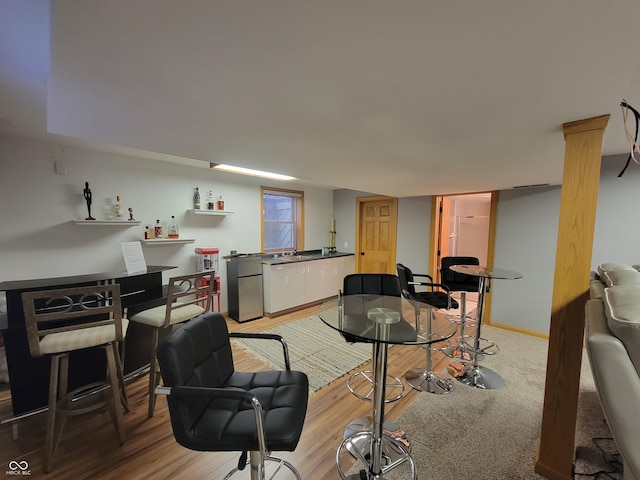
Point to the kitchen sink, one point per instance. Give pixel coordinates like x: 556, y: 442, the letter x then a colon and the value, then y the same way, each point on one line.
x: 296, y: 258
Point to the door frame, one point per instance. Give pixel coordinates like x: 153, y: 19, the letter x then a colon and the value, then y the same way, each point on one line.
x: 393, y: 235
x: 435, y: 233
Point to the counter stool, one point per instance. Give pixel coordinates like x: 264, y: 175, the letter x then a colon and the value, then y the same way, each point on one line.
x: 361, y: 383
x: 425, y: 379
x: 459, y: 282
x: 62, y: 321
x: 185, y: 294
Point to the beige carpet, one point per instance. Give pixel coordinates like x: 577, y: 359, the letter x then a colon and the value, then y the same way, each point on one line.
x: 494, y: 434
x: 314, y: 348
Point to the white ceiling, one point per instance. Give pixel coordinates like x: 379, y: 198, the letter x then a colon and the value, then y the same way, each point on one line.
x: 403, y: 98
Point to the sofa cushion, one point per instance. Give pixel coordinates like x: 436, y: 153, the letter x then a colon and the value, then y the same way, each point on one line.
x: 621, y: 277
x: 622, y: 308
x: 606, y: 267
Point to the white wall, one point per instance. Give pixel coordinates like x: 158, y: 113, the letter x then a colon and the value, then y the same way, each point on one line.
x: 38, y: 238
x: 617, y: 234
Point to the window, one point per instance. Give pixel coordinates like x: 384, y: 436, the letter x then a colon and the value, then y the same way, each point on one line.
x: 282, y: 220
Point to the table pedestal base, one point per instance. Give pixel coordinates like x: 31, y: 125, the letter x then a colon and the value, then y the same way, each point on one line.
x: 430, y: 382
x: 475, y: 376
x: 394, y: 455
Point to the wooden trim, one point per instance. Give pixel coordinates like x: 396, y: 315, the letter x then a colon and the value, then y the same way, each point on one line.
x: 578, y: 201
x: 491, y: 247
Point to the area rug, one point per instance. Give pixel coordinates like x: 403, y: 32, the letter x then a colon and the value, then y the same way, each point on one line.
x: 314, y: 348
x: 494, y: 434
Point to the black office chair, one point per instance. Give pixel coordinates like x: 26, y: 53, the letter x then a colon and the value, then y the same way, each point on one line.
x: 463, y: 283
x: 426, y: 380
x: 215, y: 408
x: 360, y: 383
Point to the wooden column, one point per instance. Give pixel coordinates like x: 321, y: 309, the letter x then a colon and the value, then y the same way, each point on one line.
x: 581, y: 177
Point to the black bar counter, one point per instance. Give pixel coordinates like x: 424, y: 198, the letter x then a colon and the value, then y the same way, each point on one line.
x: 29, y: 376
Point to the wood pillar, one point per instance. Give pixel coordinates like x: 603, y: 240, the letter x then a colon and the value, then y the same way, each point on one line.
x: 581, y: 177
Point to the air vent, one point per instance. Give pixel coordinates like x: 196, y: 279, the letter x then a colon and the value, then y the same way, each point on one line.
x: 536, y: 185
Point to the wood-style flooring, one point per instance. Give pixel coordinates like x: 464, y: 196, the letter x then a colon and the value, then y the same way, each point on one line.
x: 89, y: 447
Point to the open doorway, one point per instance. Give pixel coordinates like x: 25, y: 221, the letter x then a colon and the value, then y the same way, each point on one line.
x: 462, y: 226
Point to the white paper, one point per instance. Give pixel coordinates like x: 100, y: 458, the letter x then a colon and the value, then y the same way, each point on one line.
x: 133, y: 257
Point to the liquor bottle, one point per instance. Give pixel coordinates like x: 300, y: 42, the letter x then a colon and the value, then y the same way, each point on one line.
x: 173, y: 228
x: 196, y: 199
x: 210, y: 202
x: 157, y: 230
x: 118, y: 208
x: 147, y: 233
x: 220, y: 203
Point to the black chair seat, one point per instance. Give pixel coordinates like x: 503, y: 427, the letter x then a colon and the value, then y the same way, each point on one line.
x: 435, y: 298
x: 230, y: 425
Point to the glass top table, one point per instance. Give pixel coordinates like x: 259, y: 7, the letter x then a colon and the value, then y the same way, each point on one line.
x: 382, y: 321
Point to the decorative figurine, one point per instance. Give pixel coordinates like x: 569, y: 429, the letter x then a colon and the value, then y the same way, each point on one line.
x: 87, y: 197
x: 131, y: 219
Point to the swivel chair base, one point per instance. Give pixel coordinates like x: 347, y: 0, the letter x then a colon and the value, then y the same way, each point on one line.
x: 430, y: 382
x: 394, y: 455
x: 475, y: 376
x: 361, y: 383
x: 258, y: 471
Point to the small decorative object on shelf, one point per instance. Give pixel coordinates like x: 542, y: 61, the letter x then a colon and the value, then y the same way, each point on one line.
x: 87, y: 197
x: 147, y: 233
x: 173, y: 228
x: 196, y: 199
x: 220, y: 203
x: 157, y: 230
x: 210, y: 203
x: 118, y: 208
x: 131, y: 219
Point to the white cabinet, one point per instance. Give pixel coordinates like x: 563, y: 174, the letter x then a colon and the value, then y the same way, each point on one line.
x: 287, y: 286
x: 284, y: 286
x: 320, y: 279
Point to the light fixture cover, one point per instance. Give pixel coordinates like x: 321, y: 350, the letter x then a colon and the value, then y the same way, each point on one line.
x: 250, y: 171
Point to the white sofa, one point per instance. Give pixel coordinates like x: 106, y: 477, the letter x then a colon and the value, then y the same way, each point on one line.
x: 613, y: 345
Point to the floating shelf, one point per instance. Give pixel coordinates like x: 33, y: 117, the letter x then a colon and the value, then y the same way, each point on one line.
x: 210, y: 212
x: 167, y: 241
x: 123, y: 223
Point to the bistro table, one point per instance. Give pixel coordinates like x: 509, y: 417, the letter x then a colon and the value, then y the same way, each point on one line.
x: 382, y: 321
x: 470, y: 373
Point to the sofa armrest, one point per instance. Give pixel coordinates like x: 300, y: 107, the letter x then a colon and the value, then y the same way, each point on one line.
x: 617, y: 384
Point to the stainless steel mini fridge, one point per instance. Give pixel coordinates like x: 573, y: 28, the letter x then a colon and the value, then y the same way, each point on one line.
x: 244, y: 287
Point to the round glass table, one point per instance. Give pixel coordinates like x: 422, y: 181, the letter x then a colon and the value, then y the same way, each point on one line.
x: 381, y: 321
x: 469, y: 372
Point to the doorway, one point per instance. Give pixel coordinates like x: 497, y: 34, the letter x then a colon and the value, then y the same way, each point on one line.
x: 463, y: 225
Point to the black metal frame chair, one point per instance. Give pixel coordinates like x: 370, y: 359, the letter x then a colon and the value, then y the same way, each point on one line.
x: 214, y: 408
x: 425, y: 379
x: 372, y: 284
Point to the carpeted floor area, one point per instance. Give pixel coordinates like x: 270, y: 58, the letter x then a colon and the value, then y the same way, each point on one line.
x: 494, y: 434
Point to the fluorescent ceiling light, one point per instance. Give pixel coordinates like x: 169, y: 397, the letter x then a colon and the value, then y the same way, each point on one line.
x: 250, y: 171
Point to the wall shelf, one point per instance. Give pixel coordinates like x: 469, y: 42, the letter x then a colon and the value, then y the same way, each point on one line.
x: 167, y: 241
x: 122, y: 223
x: 209, y: 212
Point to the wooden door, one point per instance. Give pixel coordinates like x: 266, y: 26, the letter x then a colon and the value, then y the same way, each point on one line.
x: 376, y: 235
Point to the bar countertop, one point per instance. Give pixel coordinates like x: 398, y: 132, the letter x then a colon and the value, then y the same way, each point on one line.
x: 86, y: 278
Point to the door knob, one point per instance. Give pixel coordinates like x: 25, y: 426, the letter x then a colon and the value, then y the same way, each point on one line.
x: 362, y: 253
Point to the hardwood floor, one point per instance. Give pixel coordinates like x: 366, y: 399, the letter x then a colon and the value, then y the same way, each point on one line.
x: 89, y: 448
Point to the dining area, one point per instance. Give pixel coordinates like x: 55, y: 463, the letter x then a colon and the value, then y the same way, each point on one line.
x: 399, y: 330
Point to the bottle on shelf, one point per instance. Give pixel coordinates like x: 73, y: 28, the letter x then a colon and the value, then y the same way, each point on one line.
x: 157, y: 230
x: 210, y: 202
x: 147, y: 233
x: 220, y: 203
x: 118, y: 208
x: 196, y: 199
x: 173, y: 228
